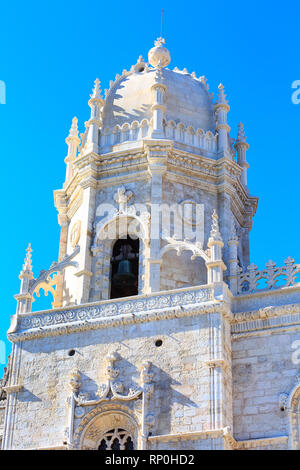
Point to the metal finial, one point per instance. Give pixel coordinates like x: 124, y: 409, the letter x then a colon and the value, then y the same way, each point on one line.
x: 161, y: 22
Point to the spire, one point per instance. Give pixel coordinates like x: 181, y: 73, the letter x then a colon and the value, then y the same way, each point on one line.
x: 24, y: 298
x: 221, y: 110
x: 94, y: 123
x: 221, y: 95
x: 74, y: 128
x: 72, y: 142
x: 241, y: 146
x: 241, y: 137
x: 27, y: 266
x: 96, y: 90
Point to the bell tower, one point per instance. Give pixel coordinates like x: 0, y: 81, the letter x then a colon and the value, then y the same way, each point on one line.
x: 145, y: 171
x: 155, y: 214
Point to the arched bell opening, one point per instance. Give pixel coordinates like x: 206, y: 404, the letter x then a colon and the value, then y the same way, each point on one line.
x: 124, y: 268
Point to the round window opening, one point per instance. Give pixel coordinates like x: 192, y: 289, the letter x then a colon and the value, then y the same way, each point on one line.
x: 140, y: 68
x: 158, y: 343
x: 71, y: 352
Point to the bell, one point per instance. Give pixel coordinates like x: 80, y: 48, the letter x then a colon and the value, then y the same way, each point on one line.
x: 124, y: 276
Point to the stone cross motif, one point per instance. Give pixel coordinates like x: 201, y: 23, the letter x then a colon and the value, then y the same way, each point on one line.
x: 122, y: 196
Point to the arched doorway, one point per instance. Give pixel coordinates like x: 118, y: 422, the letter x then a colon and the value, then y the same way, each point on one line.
x: 124, y: 268
x: 294, y: 415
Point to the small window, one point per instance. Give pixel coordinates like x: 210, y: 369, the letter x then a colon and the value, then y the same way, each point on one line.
x: 116, y: 439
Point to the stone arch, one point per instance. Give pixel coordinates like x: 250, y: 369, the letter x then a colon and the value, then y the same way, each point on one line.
x: 190, y: 132
x: 117, y: 134
x: 119, y: 226
x: 102, y: 419
x: 134, y: 130
x: 184, y: 246
x: 125, y: 132
x: 144, y: 127
x: 200, y: 138
x: 170, y: 129
x: 180, y: 132
x: 294, y: 415
x: 182, y: 270
x: 209, y: 140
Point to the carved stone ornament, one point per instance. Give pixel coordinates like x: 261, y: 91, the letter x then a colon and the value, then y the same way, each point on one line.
x: 249, y: 281
x: 113, y: 388
x: 44, y: 281
x: 184, y: 245
x: 122, y: 196
x: 104, y: 314
x: 75, y: 233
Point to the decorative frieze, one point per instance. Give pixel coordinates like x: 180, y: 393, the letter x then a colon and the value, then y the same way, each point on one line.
x: 183, y: 302
x: 265, y: 319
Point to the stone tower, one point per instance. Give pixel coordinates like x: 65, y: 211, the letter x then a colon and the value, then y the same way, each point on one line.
x: 155, y: 214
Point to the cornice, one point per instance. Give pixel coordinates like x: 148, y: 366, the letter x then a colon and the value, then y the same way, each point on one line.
x: 106, y: 314
x: 84, y: 160
x: 209, y: 434
x: 13, y: 388
x: 213, y: 175
x: 263, y: 442
x: 201, y: 435
x: 226, y: 434
x: 213, y: 187
x: 123, y: 178
x: 265, y: 320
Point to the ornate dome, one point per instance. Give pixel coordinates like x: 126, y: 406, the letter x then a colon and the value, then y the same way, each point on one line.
x: 187, y: 99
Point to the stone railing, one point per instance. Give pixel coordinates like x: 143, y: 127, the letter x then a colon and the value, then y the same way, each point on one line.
x: 106, y: 313
x: 178, y: 132
x: 275, y: 277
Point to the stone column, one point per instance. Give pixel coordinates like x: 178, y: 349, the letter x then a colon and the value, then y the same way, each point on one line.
x: 155, y: 230
x: 219, y: 364
x: 241, y: 147
x: 12, y: 397
x: 221, y: 110
x: 157, y: 157
x: 85, y: 262
x: 94, y: 123
x: 24, y: 298
x: 158, y: 109
x: 215, y: 266
x: 225, y: 217
x: 72, y: 141
x: 63, y: 220
x: 233, y: 260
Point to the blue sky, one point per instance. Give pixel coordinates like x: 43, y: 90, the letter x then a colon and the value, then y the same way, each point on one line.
x: 51, y: 53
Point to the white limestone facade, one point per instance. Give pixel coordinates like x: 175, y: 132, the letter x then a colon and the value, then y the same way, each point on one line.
x: 204, y: 353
